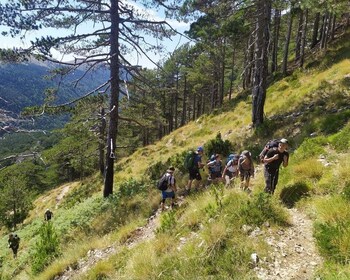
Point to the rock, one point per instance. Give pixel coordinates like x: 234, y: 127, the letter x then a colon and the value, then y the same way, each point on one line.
x: 254, y: 258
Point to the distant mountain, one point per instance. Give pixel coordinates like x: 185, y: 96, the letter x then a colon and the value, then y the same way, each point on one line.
x: 23, y: 84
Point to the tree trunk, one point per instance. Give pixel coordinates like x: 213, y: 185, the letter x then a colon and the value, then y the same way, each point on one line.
x: 183, y: 116
x: 303, y: 38
x: 323, y: 44
x: 276, y: 31
x: 314, y: 39
x: 334, y: 21
x: 249, y: 56
x: 114, y: 99
x: 232, y: 73
x: 223, y: 65
x: 176, y: 100
x: 299, y: 35
x: 102, y: 138
x: 171, y: 113
x: 261, y: 61
x: 286, y: 47
x: 194, y: 107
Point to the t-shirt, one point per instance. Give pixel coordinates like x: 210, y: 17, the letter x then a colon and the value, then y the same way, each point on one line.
x: 215, y: 166
x: 232, y: 166
x: 275, y: 165
x: 197, y: 158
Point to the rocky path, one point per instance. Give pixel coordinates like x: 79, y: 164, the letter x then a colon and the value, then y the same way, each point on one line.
x: 146, y: 232
x: 293, y: 254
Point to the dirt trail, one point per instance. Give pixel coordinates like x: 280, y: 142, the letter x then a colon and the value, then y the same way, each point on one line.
x: 93, y: 256
x: 293, y: 251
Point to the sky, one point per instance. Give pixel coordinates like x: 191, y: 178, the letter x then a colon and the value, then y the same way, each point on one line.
x: 170, y: 45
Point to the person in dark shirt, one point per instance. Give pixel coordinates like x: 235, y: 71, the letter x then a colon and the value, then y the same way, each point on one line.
x: 13, y: 243
x: 273, y: 160
x: 194, y: 173
x: 48, y: 215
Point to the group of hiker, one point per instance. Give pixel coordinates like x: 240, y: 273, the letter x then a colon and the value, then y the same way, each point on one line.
x: 240, y: 166
x: 14, y: 240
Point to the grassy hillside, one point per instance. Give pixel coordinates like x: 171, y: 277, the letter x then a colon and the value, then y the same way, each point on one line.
x: 204, y: 237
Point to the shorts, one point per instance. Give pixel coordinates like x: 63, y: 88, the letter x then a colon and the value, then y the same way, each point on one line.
x: 229, y: 174
x: 215, y: 175
x: 194, y: 174
x: 166, y: 195
x: 245, y: 174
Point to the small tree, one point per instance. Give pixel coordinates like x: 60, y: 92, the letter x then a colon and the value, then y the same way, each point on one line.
x: 46, y: 248
x: 15, y: 200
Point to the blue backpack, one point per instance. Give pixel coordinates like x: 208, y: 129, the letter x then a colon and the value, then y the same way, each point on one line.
x: 233, y: 158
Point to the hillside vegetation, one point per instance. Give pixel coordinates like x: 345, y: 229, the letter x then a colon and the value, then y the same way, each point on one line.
x: 204, y: 238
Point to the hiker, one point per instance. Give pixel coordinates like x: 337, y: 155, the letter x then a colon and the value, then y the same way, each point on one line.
x: 231, y: 169
x: 193, y: 171
x: 48, y: 215
x: 13, y: 243
x: 246, y: 169
x: 170, y: 191
x: 215, y: 168
x: 273, y: 160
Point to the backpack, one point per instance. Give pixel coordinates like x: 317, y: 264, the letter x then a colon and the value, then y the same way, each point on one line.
x: 269, y: 145
x: 162, y: 184
x: 233, y: 158
x: 189, y: 160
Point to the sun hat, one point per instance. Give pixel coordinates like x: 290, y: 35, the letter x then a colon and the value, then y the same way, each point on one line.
x: 171, y: 169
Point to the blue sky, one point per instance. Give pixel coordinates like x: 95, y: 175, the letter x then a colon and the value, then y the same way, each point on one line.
x: 170, y: 45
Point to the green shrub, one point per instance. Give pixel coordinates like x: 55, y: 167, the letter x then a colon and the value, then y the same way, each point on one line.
x: 341, y: 141
x: 132, y: 187
x: 261, y: 208
x: 218, y: 146
x: 330, y: 239
x: 311, y: 147
x: 46, y: 248
x: 332, y: 123
x: 167, y: 222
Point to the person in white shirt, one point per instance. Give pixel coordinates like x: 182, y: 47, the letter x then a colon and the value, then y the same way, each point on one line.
x: 171, y: 189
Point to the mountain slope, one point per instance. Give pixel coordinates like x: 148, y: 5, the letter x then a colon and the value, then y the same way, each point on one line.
x: 208, y: 236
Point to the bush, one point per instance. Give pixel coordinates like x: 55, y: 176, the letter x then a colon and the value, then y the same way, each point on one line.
x: 260, y: 209
x: 311, y: 147
x: 341, y: 141
x: 218, y: 146
x: 46, y: 248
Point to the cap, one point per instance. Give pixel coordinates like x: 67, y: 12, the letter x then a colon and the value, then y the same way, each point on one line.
x: 284, y: 141
x: 246, y: 153
x: 171, y: 169
x: 200, y: 149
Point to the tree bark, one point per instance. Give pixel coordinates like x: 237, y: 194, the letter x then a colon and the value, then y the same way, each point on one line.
x: 248, y: 65
x: 314, y: 39
x: 183, y: 116
x: 102, y: 139
x: 299, y: 35
x: 232, y: 73
x: 261, y: 61
x: 276, y: 31
x: 176, y: 100
x: 334, y: 21
x: 114, y: 99
x: 286, y: 47
x: 303, y: 38
x: 323, y: 43
x: 223, y: 66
